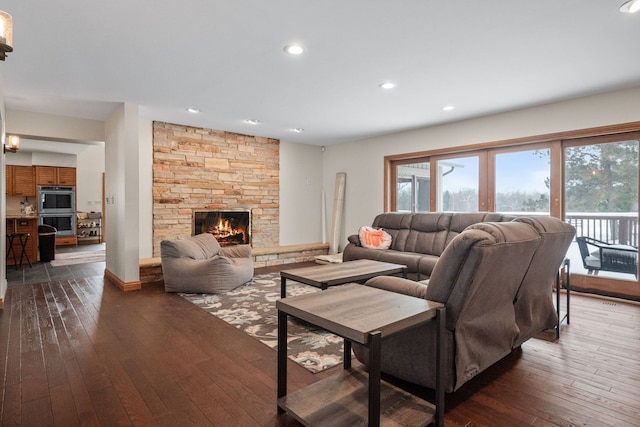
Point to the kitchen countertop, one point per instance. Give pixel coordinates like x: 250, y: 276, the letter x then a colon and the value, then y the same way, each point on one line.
x: 18, y: 215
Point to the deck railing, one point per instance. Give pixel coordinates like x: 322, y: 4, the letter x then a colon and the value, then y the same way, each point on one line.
x: 619, y: 228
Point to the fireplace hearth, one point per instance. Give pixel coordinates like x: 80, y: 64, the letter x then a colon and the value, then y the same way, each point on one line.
x: 228, y: 226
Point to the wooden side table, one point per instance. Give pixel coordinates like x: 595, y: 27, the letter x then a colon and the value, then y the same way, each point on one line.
x: 325, y: 275
x: 352, y: 397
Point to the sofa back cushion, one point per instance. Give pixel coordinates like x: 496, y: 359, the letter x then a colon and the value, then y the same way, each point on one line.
x: 462, y: 220
x: 481, y: 261
x: 428, y: 234
x: 200, y: 246
x: 397, y: 225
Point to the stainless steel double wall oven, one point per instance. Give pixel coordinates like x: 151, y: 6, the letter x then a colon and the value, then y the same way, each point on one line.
x: 56, y: 207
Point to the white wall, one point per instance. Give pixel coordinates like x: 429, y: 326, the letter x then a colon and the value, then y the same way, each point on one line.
x: 363, y: 160
x: 122, y: 192
x: 89, y: 170
x: 52, y: 126
x: 54, y: 159
x: 300, y: 193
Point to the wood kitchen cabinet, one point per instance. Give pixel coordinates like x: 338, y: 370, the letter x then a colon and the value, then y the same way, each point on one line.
x: 20, y: 181
x: 52, y: 175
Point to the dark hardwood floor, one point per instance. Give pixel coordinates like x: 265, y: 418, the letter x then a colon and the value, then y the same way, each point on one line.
x: 82, y: 352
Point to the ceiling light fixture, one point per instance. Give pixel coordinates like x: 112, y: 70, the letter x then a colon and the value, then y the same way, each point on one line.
x: 387, y: 85
x: 12, y: 145
x: 631, y: 6
x: 252, y: 121
x: 294, y: 49
x: 193, y: 110
x: 448, y: 108
x: 297, y: 130
x: 6, y: 34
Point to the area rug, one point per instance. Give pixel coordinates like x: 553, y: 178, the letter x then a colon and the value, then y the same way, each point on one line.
x: 70, y: 258
x: 252, y: 309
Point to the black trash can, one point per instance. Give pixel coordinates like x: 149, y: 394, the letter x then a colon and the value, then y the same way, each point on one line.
x: 47, y: 242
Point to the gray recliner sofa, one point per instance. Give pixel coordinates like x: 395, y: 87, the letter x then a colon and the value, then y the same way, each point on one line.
x: 198, y: 264
x: 417, y: 240
x: 495, y: 280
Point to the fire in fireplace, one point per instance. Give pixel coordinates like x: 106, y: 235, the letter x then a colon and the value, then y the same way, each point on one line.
x: 228, y: 226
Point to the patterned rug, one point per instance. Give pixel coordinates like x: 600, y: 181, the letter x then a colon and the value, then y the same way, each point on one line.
x: 252, y: 309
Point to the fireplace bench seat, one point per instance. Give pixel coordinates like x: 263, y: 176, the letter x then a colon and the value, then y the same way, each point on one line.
x: 151, y: 268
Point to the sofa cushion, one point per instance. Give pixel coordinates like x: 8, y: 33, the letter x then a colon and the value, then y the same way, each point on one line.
x: 428, y: 233
x: 460, y: 221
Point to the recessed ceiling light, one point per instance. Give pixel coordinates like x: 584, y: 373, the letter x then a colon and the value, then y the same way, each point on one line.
x: 387, y: 85
x: 297, y: 130
x: 252, y: 121
x: 294, y: 49
x: 193, y: 110
x: 631, y: 6
x: 448, y: 108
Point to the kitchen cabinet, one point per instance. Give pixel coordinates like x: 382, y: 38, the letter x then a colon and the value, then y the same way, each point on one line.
x: 9, y: 174
x: 20, y: 181
x: 52, y: 175
x: 66, y: 176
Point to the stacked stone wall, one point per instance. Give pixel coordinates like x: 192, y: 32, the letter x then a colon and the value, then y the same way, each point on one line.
x: 195, y: 168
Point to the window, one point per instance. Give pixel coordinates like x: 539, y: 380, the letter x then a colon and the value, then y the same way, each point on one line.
x: 458, y: 184
x: 523, y: 181
x: 413, y: 187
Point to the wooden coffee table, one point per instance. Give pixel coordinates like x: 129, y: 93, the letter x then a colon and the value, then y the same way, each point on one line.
x: 324, y: 275
x: 367, y: 316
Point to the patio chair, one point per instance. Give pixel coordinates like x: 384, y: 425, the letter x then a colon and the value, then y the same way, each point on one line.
x: 598, y: 255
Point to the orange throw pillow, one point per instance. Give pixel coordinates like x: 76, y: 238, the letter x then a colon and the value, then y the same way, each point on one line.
x: 374, y: 238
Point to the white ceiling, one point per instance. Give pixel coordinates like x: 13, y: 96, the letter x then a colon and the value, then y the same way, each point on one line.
x: 82, y: 58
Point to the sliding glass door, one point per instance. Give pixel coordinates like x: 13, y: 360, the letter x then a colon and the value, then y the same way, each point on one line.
x: 601, y: 190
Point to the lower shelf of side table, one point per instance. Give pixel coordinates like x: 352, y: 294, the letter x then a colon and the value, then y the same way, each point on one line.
x: 343, y: 400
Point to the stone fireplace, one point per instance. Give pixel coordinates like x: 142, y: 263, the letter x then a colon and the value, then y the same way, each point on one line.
x: 228, y: 226
x: 195, y: 168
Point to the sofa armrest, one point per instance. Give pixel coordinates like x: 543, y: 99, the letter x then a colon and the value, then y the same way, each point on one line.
x: 355, y: 239
x: 236, y: 251
x: 399, y: 285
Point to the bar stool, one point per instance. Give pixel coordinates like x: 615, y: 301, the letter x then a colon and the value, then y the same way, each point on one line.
x: 23, y: 238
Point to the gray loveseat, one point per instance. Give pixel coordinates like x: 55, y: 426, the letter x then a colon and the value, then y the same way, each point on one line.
x: 198, y: 264
x: 495, y: 280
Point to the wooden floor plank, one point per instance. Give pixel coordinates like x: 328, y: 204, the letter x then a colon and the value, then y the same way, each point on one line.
x: 82, y: 352
x: 63, y: 406
x: 37, y: 412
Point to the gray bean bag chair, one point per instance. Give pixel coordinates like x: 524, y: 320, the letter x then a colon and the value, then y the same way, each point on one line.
x: 198, y: 264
